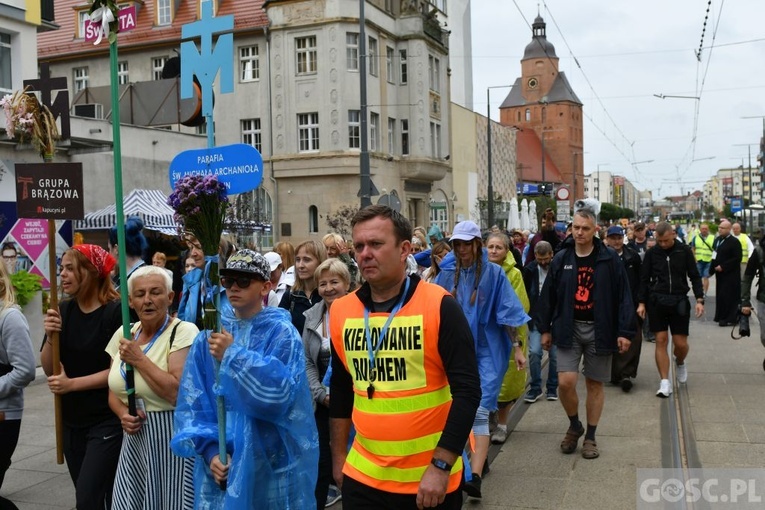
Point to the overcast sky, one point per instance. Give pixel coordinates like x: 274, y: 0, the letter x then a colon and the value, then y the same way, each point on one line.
x: 628, y: 51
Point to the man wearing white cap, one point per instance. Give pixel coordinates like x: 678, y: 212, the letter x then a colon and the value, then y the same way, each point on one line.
x: 278, y: 277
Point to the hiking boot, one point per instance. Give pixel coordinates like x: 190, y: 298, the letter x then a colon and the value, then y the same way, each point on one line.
x: 665, y: 389
x: 473, y: 487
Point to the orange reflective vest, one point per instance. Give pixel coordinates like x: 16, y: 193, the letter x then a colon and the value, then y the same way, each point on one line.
x: 398, y: 429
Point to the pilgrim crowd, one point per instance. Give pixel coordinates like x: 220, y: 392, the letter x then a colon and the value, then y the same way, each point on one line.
x: 377, y: 369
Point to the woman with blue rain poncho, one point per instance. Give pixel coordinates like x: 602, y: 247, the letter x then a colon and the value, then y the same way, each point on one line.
x: 493, y: 312
x: 271, y: 435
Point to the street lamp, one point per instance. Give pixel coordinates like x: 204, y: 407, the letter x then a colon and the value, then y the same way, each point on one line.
x: 490, y: 184
x: 597, y: 180
x: 573, y: 166
x: 364, y: 170
x: 665, y: 96
x: 749, y: 147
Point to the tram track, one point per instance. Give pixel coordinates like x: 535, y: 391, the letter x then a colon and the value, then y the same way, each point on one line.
x: 679, y: 452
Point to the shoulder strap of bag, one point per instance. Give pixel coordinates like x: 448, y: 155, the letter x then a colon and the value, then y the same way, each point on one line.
x: 172, y: 335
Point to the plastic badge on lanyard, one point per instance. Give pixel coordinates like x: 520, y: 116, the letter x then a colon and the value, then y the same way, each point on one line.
x: 373, y: 351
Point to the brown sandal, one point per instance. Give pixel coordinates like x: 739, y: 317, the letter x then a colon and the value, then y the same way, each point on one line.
x: 590, y: 449
x: 570, y: 440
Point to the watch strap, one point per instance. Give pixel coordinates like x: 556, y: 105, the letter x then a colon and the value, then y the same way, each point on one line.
x: 441, y: 464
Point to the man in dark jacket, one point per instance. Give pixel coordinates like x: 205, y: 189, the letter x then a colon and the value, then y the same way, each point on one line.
x: 664, y: 288
x: 726, y: 267
x: 624, y: 366
x: 587, y: 310
x: 534, y: 276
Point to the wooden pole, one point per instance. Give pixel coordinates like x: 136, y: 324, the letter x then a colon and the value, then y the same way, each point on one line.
x: 54, y: 340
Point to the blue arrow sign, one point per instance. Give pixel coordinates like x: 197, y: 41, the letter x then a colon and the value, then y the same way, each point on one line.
x: 238, y: 166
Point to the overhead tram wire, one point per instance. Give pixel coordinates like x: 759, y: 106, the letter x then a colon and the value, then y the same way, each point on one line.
x: 612, y: 142
x: 700, y: 90
x: 631, y: 143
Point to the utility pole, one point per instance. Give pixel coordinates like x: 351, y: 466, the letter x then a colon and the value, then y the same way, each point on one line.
x: 366, y: 181
x: 489, y: 177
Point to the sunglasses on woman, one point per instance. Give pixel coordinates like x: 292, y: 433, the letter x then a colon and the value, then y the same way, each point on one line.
x: 241, y: 281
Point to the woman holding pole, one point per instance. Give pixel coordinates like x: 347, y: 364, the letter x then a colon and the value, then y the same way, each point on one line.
x: 85, y: 323
x: 149, y: 476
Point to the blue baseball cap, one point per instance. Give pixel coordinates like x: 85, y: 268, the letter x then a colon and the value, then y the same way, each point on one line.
x: 615, y: 230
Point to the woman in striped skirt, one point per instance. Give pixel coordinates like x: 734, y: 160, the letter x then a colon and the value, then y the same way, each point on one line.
x: 149, y: 476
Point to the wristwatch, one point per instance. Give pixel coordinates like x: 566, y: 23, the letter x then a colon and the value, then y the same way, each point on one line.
x: 441, y: 464
x: 518, y: 343
x: 700, y: 301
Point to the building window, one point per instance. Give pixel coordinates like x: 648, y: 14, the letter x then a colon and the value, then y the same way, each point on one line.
x: 80, y: 79
x: 308, y: 132
x: 164, y: 12
x: 439, y: 215
x: 435, y: 140
x: 305, y: 54
x: 6, y: 83
x: 389, y: 6
x: 352, y: 51
x: 528, y: 114
x: 249, y: 63
x: 374, y: 132
x: 122, y: 73
x: 403, y: 74
x: 202, y: 129
x: 82, y: 17
x: 313, y: 220
x: 404, y: 137
x: 434, y: 68
x: 251, y: 134
x: 389, y: 67
x: 354, y: 129
x: 374, y: 61
x: 157, y: 64
x: 391, y: 136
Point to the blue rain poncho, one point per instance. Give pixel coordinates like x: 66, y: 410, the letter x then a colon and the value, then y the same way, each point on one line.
x: 496, y: 305
x: 270, y: 429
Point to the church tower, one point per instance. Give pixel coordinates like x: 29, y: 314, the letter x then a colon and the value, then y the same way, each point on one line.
x: 543, y: 101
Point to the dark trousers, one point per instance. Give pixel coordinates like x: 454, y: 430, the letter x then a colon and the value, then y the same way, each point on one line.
x: 626, y: 365
x: 357, y: 496
x: 325, y: 456
x: 9, y: 437
x: 91, y: 455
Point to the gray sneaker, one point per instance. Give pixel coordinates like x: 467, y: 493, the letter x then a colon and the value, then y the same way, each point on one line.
x: 499, y: 436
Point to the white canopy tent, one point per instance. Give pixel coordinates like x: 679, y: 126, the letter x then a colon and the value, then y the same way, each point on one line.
x: 148, y: 204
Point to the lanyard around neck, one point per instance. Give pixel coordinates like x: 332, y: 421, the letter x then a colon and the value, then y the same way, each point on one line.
x: 372, y: 351
x: 148, y: 346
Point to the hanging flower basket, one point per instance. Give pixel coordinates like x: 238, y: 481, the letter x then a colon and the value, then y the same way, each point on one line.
x: 26, y: 120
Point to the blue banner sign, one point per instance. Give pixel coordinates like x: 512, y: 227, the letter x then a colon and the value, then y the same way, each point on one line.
x: 238, y: 166
x: 736, y: 205
x: 528, y: 189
